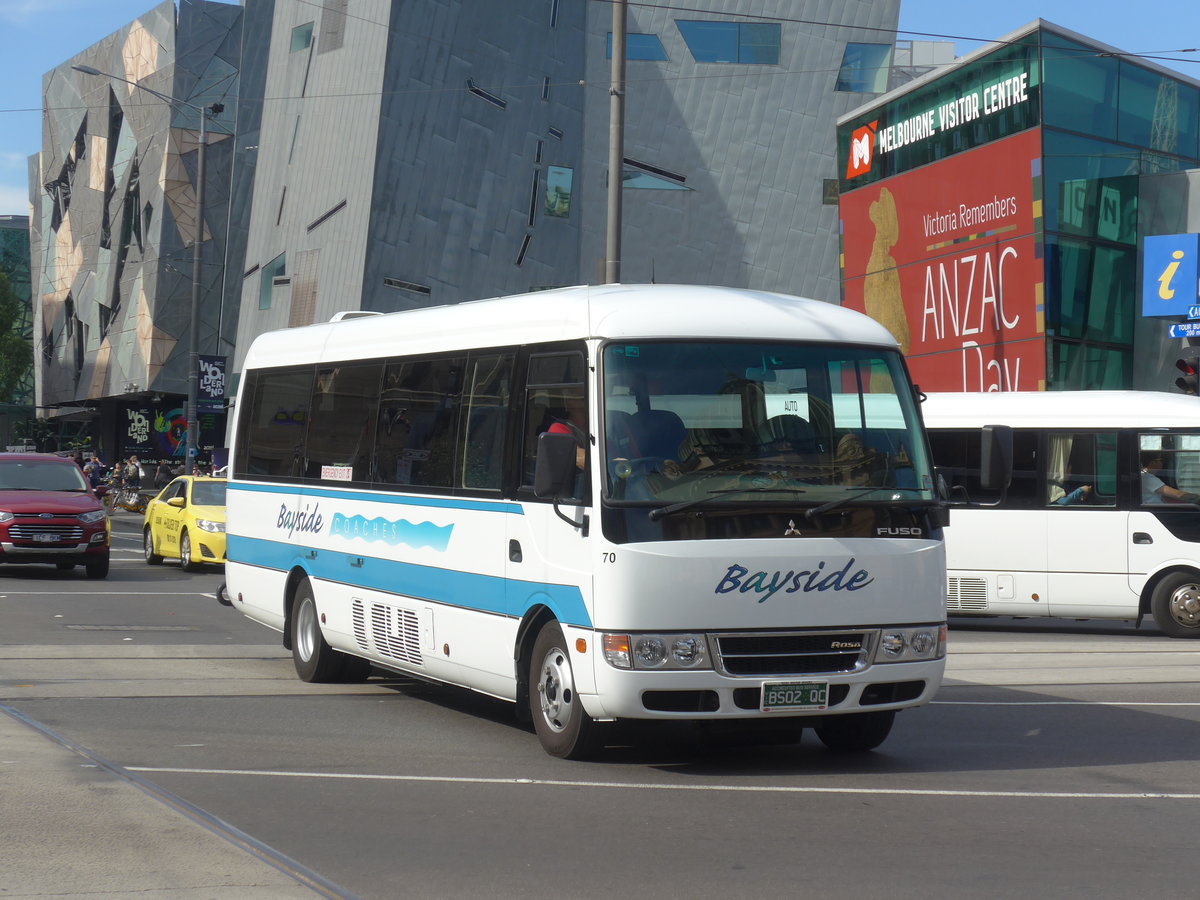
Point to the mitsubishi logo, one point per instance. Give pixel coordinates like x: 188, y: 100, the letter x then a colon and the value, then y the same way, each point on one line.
x: 791, y: 529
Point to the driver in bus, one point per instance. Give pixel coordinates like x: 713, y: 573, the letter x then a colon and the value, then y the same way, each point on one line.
x: 1154, y: 489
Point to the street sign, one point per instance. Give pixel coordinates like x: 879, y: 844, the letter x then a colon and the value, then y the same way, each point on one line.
x: 1185, y: 330
x: 1170, y: 269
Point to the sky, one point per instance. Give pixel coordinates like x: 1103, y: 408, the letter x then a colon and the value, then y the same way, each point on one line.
x: 41, y: 34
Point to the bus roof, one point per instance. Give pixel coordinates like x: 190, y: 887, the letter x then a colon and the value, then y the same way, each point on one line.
x: 614, y: 311
x: 1062, y: 409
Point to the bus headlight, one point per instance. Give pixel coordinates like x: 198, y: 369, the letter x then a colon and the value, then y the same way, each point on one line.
x: 656, y: 651
x: 911, y: 644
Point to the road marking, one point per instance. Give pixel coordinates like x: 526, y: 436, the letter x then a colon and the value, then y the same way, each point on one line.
x: 727, y: 788
x: 239, y: 839
x: 8, y: 594
x: 1059, y: 703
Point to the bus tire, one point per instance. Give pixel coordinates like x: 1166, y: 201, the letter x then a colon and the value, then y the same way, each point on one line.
x: 316, y: 662
x: 562, y: 725
x: 856, y: 732
x: 1175, y: 605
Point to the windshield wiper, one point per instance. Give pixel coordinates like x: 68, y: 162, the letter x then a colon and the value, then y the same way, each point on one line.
x: 656, y: 514
x: 815, y: 511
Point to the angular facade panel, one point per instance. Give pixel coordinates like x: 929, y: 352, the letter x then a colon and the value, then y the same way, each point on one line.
x: 115, y: 208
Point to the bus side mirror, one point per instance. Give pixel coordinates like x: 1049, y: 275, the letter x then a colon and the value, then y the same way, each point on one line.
x: 554, y: 470
x: 996, y: 457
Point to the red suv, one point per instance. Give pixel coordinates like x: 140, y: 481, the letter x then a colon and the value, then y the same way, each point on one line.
x: 49, y: 514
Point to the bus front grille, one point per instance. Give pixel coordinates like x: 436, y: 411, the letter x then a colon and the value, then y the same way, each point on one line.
x: 792, y: 653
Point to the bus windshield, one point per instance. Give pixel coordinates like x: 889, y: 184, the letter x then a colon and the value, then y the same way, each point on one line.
x: 742, y: 422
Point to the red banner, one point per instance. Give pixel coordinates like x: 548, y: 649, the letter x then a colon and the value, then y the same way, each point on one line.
x: 946, y: 258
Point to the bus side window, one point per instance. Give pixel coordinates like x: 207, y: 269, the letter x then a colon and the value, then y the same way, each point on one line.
x: 555, y: 398
x: 485, y: 403
x: 956, y: 454
x: 1081, y: 469
x: 341, y: 426
x: 418, y: 422
x: 274, y: 422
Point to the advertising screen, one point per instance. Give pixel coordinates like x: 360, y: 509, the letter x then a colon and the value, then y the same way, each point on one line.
x: 945, y: 257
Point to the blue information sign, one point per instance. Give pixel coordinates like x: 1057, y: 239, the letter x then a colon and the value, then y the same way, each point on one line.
x: 1170, y: 265
x: 1186, y: 330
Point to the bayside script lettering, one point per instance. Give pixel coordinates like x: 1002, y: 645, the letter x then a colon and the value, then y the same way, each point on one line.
x: 300, y: 520
x: 738, y: 578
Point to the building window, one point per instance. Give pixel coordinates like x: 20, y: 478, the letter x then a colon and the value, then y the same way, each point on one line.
x: 276, y: 268
x: 732, y: 42
x: 558, y: 191
x: 865, y: 68
x: 495, y: 100
x: 401, y: 285
x: 645, y: 177
x: 302, y: 37
x: 640, y: 47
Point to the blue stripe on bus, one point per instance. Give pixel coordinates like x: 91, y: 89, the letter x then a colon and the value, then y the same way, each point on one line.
x: 467, y: 590
x: 501, y: 506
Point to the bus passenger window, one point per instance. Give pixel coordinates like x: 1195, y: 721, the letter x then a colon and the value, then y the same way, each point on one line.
x: 485, y: 409
x: 341, y: 428
x: 555, y: 401
x: 1081, y: 469
x: 418, y: 422
x: 956, y: 454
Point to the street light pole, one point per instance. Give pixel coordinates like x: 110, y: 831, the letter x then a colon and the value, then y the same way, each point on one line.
x: 616, y: 145
x: 191, y: 412
x: 192, y: 444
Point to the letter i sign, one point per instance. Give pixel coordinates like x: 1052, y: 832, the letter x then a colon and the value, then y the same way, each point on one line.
x: 862, y: 150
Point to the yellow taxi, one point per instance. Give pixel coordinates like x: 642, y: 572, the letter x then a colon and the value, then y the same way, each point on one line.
x: 186, y: 521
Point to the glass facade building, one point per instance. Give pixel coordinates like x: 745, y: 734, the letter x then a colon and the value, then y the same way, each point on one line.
x: 996, y: 210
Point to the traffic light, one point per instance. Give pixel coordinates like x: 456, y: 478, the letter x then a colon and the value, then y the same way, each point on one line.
x: 1189, y: 382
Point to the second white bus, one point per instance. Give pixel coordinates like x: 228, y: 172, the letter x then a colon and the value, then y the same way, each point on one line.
x: 1100, y: 520
x: 599, y: 503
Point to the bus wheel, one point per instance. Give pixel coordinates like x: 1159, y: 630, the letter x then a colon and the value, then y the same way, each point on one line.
x: 563, y: 727
x: 1175, y: 605
x: 315, y: 660
x: 856, y: 732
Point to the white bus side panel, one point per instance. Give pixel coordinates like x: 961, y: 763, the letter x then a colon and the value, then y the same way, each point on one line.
x: 1088, y: 555
x: 414, y: 583
x: 996, y: 562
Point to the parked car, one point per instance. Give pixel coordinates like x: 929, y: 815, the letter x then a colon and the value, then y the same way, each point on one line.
x: 186, y: 521
x: 50, y: 514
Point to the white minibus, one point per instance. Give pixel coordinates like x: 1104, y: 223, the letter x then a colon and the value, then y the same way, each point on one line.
x: 601, y: 504
x: 1100, y: 520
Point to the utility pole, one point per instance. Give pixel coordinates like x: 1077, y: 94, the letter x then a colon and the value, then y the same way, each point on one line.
x: 616, y: 144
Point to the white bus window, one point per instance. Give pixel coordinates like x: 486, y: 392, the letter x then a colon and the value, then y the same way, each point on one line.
x: 418, y: 422
x: 956, y: 453
x: 274, y: 422
x: 1168, y: 473
x: 485, y: 401
x: 709, y: 421
x: 1081, y: 469
x: 555, y: 401
x: 341, y: 429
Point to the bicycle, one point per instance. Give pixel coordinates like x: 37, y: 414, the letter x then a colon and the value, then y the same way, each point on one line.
x: 129, y: 498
